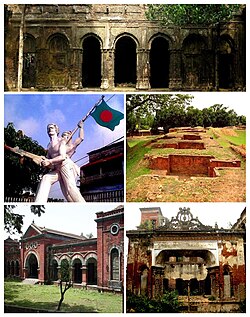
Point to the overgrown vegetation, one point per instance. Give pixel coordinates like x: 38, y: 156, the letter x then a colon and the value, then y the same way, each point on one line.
x: 168, y: 303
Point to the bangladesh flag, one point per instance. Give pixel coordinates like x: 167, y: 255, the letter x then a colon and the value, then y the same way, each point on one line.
x: 106, y: 116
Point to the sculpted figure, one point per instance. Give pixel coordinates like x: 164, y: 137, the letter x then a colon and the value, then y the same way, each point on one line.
x: 61, y: 169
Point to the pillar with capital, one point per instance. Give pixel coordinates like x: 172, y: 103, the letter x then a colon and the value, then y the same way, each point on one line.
x: 143, y: 69
x: 175, y: 77
x: 107, y: 69
x: 84, y: 275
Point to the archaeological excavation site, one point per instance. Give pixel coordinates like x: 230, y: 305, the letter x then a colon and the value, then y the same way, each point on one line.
x: 190, y: 164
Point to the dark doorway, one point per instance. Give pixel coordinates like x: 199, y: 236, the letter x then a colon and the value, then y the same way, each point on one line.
x: 92, y: 272
x: 159, y: 63
x: 32, y: 266
x: 77, y: 271
x: 194, y: 287
x: 180, y: 286
x: 125, y: 62
x: 91, y: 63
x: 226, y: 71
x: 54, y: 275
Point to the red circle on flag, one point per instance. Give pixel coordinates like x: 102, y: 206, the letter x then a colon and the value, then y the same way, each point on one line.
x: 106, y: 115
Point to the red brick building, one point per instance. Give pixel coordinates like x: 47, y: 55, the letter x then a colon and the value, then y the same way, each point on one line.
x: 46, y: 255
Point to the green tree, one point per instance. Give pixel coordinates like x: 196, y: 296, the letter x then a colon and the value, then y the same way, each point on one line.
x: 162, y: 107
x: 184, y: 14
x: 20, y: 174
x: 13, y: 222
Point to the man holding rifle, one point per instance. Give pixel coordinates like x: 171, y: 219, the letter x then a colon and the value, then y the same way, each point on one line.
x: 61, y: 167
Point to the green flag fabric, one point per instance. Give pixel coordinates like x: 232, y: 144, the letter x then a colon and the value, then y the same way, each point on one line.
x: 106, y: 116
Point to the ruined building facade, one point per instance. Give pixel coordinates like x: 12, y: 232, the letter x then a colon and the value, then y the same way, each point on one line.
x: 43, y: 253
x: 77, y: 47
x: 184, y: 255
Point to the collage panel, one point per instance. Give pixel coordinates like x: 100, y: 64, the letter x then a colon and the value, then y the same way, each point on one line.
x: 186, y: 147
x: 185, y: 258
x: 64, y: 258
x: 77, y: 77
x: 135, y: 47
x: 70, y: 147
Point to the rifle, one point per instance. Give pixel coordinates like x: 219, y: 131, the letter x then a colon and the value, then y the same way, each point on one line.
x: 35, y: 158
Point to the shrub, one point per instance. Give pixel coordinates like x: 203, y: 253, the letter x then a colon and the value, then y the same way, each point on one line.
x: 168, y: 303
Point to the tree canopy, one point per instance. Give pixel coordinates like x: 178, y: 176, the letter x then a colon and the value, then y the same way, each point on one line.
x: 170, y: 111
x: 20, y: 174
x: 13, y: 222
x: 198, y: 14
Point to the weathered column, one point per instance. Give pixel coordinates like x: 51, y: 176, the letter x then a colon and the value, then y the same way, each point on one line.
x: 107, y: 69
x: 175, y: 78
x: 76, y: 69
x: 157, y: 281
x: 142, y: 69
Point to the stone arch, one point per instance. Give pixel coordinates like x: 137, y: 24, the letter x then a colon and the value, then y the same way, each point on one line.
x: 125, y: 60
x: 63, y: 257
x: 159, y: 59
x: 226, y: 62
x: 32, y: 265
x: 77, y: 270
x: 54, y: 269
x: 91, y: 265
x: 91, y: 61
x: 194, y: 60
x: 58, y: 58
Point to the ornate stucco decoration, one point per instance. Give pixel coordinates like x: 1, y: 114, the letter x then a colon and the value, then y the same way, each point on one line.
x: 184, y: 220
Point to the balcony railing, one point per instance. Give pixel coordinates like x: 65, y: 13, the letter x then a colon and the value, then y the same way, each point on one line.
x: 105, y: 196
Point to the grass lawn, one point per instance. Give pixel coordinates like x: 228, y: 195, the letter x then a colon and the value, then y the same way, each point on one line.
x: 47, y: 297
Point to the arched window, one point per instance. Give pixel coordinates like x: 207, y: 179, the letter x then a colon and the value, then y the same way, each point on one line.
x: 58, y: 52
x: 115, y: 265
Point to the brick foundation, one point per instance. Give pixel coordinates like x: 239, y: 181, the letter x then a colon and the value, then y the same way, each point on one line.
x: 190, y: 164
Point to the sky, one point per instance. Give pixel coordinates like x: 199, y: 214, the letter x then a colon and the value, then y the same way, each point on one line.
x: 208, y: 213
x: 237, y: 101
x: 32, y: 112
x: 70, y: 218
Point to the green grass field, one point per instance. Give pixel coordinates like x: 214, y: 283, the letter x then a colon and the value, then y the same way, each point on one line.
x: 47, y: 297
